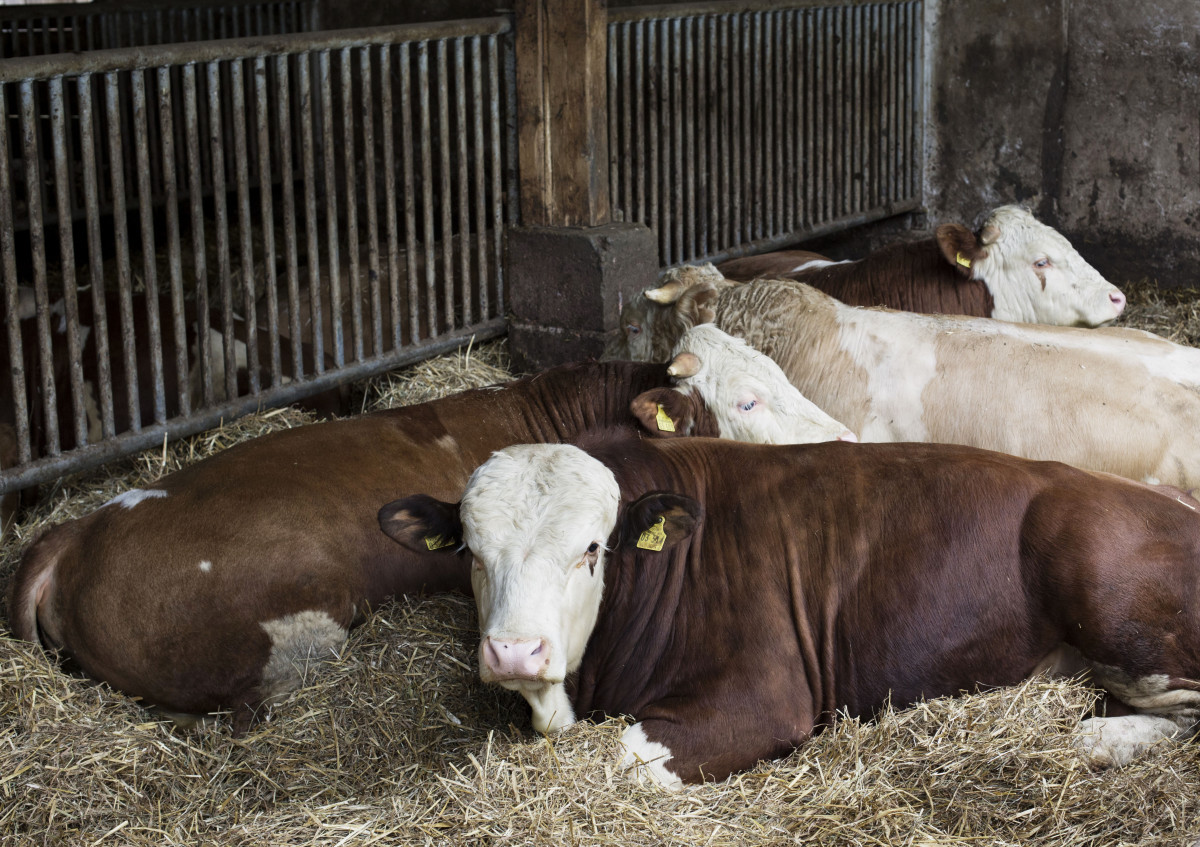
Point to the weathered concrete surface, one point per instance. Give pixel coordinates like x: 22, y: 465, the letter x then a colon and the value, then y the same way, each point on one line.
x: 1087, y: 112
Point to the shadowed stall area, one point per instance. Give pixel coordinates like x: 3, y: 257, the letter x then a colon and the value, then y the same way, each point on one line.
x: 396, y: 741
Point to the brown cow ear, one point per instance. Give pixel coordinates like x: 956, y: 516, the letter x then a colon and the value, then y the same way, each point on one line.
x: 422, y: 524
x: 960, y: 247
x: 663, y: 413
x: 659, y: 520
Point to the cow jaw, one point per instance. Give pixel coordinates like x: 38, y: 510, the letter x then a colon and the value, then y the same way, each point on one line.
x: 536, y: 518
x: 749, y: 394
x: 1036, y: 276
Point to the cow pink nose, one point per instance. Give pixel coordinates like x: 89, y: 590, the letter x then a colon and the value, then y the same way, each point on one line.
x: 525, y: 659
x: 848, y: 436
x: 1118, y: 300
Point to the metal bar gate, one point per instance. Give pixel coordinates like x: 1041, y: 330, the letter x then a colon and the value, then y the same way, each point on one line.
x: 283, y: 214
x: 733, y: 131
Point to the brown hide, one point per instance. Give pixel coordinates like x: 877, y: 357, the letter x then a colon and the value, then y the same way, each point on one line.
x: 916, y: 277
x: 836, y: 576
x: 768, y: 264
x: 167, y: 600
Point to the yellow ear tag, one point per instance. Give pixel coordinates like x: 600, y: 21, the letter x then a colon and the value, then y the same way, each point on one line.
x: 654, y: 537
x: 665, y: 424
x: 962, y: 260
x: 437, y: 542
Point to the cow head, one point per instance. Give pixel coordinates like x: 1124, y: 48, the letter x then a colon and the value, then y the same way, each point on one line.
x: 744, y: 391
x: 1032, y: 272
x: 654, y: 320
x: 539, y: 521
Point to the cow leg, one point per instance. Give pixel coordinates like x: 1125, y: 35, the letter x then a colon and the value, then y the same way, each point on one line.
x: 648, y: 759
x: 1167, y: 708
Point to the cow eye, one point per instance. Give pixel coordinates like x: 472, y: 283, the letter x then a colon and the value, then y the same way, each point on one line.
x: 633, y: 329
x: 1042, y: 263
x: 748, y: 405
x: 593, y: 547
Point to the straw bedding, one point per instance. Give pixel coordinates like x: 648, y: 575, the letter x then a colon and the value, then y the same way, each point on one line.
x: 397, y: 742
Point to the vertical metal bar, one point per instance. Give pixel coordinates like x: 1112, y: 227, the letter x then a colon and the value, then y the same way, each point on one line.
x: 216, y: 141
x: 614, y: 129
x: 478, y: 162
x: 288, y: 128
x: 425, y: 143
x: 461, y: 171
x: 789, y: 130
x: 62, y: 185
x: 642, y: 148
x: 409, y: 192
x: 249, y: 277
x: 444, y: 197
x: 199, y: 259
x: 503, y: 183
x: 312, y: 245
x: 654, y: 75
x: 725, y: 117
x: 141, y: 114
x: 332, y: 225
x: 706, y: 221
x: 113, y: 112
x: 627, y: 161
x: 890, y: 139
x: 389, y: 189
x: 346, y: 71
x: 266, y: 200
x: 366, y: 107
x: 674, y: 115
x: 690, y: 204
x: 87, y: 140
x: 8, y: 260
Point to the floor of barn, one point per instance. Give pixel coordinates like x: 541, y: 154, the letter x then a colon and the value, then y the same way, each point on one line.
x: 397, y: 742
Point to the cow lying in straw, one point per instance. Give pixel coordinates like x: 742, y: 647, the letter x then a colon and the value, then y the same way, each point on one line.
x: 1016, y: 269
x: 1118, y: 400
x: 212, y: 588
x: 733, y: 598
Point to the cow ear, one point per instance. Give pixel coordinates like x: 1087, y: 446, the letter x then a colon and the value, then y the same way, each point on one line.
x: 422, y: 524
x: 659, y: 520
x: 663, y: 412
x: 960, y: 247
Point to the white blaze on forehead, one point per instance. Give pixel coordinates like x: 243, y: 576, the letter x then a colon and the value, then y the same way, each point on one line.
x: 529, y: 515
x: 133, y: 496
x: 1067, y: 291
x: 749, y: 394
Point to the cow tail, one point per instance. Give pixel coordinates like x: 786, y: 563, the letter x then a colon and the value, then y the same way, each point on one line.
x: 32, y: 585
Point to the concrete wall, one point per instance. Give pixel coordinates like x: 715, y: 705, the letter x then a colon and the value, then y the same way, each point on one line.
x: 1088, y: 112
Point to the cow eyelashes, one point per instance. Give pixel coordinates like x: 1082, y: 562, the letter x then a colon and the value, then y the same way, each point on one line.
x: 593, y: 547
x: 1042, y: 263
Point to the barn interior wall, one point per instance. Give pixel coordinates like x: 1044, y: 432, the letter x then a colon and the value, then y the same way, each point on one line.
x: 1087, y: 112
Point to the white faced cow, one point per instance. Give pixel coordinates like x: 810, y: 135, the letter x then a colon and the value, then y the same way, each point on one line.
x: 734, y: 598
x: 1117, y: 400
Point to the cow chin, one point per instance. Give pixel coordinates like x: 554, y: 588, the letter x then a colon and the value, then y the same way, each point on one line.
x: 551, y: 706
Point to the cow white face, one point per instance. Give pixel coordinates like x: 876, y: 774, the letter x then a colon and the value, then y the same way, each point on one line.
x: 1036, y: 276
x: 536, y: 519
x: 744, y: 390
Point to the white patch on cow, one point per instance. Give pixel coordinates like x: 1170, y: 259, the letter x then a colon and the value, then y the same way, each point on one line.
x: 750, y: 395
x: 447, y: 443
x: 1152, y: 693
x: 205, y: 565
x: 1112, y: 742
x: 297, y: 643
x: 530, y: 516
x: 1036, y: 276
x: 129, y: 499
x: 900, y: 364
x: 647, y: 759
x: 813, y: 264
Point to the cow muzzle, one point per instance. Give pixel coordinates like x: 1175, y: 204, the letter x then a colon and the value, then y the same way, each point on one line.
x: 514, y: 660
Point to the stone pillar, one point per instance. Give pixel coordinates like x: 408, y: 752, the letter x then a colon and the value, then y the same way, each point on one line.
x: 568, y: 285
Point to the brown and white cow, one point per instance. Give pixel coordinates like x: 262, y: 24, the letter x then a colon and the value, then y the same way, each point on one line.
x: 1016, y: 269
x: 211, y: 588
x: 734, y: 598
x: 1109, y: 399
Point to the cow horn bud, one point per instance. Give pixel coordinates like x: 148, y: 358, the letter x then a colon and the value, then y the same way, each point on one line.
x: 684, y: 365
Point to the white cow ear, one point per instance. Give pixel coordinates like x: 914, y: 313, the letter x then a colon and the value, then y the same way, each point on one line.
x: 422, y: 523
x: 959, y: 247
x: 659, y: 521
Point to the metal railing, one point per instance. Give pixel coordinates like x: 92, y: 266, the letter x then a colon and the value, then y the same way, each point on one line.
x: 332, y: 206
x: 733, y: 131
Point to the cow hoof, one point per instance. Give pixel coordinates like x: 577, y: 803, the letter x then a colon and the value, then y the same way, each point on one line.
x: 647, y: 760
x: 1113, y: 742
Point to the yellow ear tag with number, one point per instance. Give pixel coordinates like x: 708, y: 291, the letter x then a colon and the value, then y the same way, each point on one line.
x: 962, y: 260
x: 665, y: 424
x: 654, y: 537
x: 437, y: 542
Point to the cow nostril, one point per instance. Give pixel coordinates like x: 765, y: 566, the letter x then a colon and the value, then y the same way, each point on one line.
x: 1118, y: 299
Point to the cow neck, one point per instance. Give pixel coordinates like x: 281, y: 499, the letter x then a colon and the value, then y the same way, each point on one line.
x: 636, y: 652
